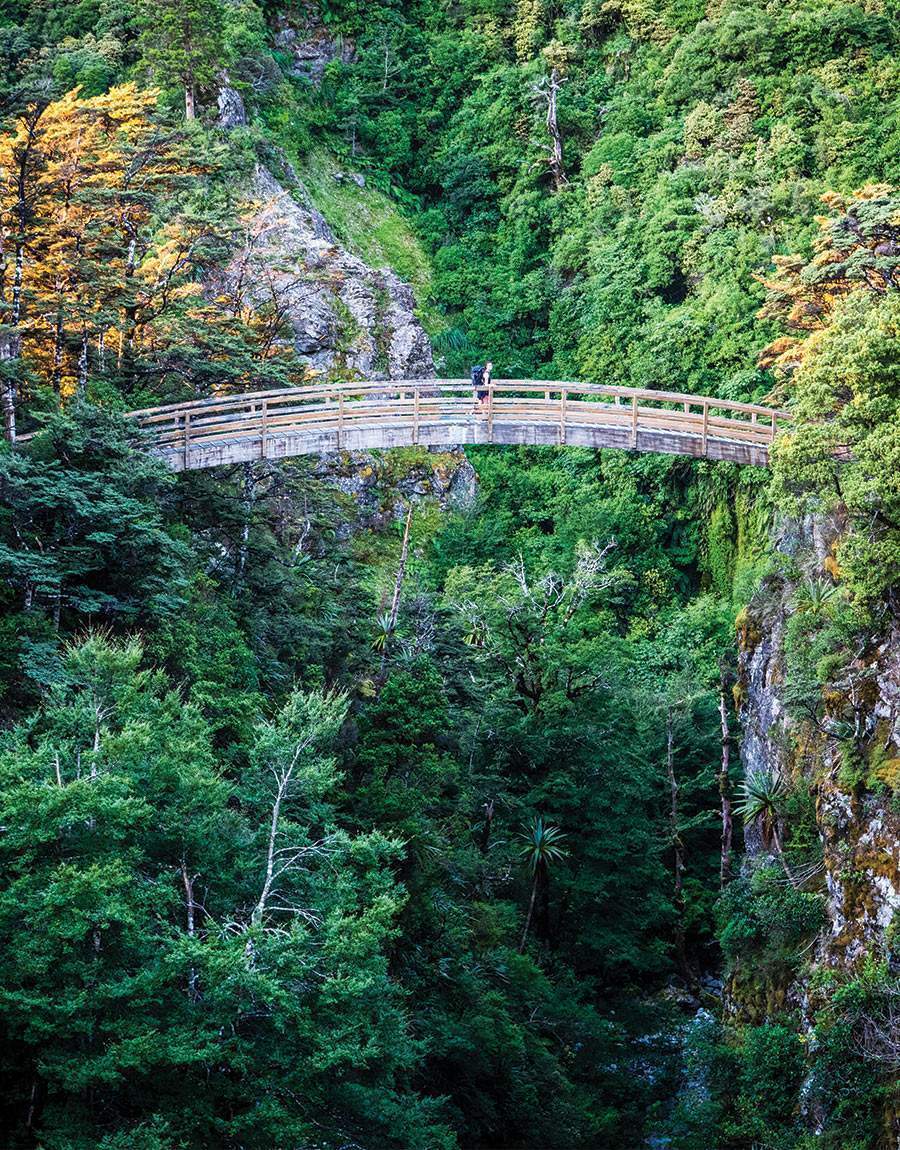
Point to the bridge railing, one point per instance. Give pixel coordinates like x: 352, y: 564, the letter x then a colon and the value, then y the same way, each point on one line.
x: 342, y: 406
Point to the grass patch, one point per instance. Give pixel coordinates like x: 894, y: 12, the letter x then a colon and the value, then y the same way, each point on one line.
x: 369, y: 224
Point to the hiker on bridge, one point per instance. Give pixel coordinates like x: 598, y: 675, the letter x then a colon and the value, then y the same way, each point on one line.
x: 481, y: 383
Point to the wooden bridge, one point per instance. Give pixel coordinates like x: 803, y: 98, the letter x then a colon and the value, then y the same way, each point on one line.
x: 442, y: 412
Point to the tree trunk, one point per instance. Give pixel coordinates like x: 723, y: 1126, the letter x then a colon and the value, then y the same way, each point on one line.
x: 83, y: 363
x: 35, y: 1103
x: 187, y: 880
x: 129, y: 314
x: 395, y: 599
x: 779, y: 850
x: 486, y: 826
x: 544, y: 908
x: 247, y: 506
x: 9, y: 350
x: 94, y: 773
x: 677, y: 849
x: 58, y: 342
x: 10, y: 343
x: 260, y: 909
x: 401, y: 571
x: 8, y: 383
x: 725, y: 792
x: 557, y: 168
x: 528, y: 917
x: 190, y: 107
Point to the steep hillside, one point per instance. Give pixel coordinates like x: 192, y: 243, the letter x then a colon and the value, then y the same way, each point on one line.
x: 526, y: 799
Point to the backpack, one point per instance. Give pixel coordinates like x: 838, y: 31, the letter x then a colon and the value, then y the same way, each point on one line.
x: 478, y: 376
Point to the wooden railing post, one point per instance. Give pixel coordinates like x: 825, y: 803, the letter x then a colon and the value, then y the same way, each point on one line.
x: 491, y: 412
x: 563, y: 398
x: 774, y: 431
x: 340, y: 433
x: 263, y: 428
x: 416, y: 414
x: 187, y: 440
x: 634, y: 421
x: 705, y: 424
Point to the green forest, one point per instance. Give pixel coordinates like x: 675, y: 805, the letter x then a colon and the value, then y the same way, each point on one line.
x: 496, y: 798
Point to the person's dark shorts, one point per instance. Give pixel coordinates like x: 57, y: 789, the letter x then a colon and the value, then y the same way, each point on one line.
x: 482, y: 396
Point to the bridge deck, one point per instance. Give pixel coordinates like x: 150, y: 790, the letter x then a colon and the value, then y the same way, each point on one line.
x: 436, y: 412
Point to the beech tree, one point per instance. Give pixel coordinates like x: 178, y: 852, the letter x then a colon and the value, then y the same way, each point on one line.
x: 77, y: 213
x: 857, y: 249
x: 105, y: 251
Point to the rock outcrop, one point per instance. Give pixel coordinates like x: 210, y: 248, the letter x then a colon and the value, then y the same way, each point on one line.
x: 343, y: 316
x: 232, y: 113
x: 381, y: 487
x: 312, y: 47
x: 858, y: 826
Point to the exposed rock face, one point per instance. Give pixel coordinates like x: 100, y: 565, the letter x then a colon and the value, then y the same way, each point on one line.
x: 761, y: 636
x: 232, y: 113
x: 310, y: 43
x: 409, y: 348
x: 348, y: 319
x: 382, y: 491
x: 887, y: 703
x: 858, y: 828
x: 344, y: 316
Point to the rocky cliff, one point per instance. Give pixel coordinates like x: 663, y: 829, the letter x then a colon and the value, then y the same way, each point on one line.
x: 819, y: 699
x: 845, y: 751
x: 342, y: 315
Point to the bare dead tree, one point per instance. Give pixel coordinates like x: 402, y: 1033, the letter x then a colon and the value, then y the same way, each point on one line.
x: 551, y: 592
x: 401, y: 571
x: 281, y: 860
x: 725, y: 789
x: 392, y: 65
x: 190, y: 906
x: 877, y: 1029
x: 677, y: 847
x: 547, y: 89
x: 485, y: 837
x: 248, y: 500
x: 529, y: 610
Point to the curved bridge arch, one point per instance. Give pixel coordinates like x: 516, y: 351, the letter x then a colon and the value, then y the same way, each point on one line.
x: 383, y: 414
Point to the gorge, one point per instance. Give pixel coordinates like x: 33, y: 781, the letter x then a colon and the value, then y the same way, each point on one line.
x: 385, y: 767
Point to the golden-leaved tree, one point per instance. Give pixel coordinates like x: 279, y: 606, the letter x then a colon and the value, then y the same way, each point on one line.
x: 857, y: 248
x: 841, y: 375
x: 104, y: 255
